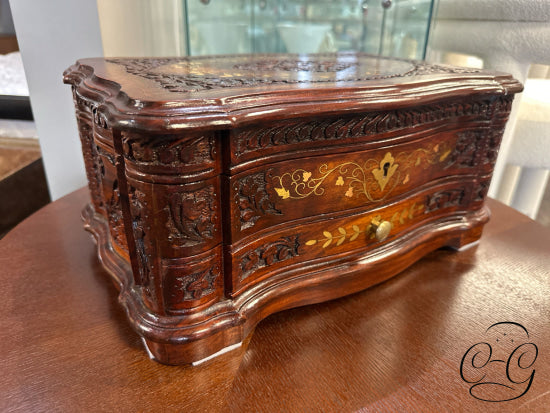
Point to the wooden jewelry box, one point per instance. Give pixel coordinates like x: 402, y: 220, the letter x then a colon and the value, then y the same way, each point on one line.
x: 228, y: 188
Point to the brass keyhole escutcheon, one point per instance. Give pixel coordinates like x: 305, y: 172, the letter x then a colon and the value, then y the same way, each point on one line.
x: 380, y: 229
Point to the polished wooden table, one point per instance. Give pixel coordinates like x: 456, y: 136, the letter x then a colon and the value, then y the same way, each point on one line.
x: 65, y: 344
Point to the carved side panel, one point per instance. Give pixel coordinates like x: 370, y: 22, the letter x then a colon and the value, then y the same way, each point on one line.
x: 481, y: 189
x: 172, y: 158
x: 192, y: 217
x: 111, y: 194
x: 466, y: 152
x: 175, y: 210
x: 445, y: 199
x: 177, y: 231
x: 476, y: 147
x: 191, y: 283
x: 143, y: 237
x: 492, y: 145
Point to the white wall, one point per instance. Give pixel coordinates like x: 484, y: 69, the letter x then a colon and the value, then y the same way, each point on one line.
x: 52, y: 35
x: 509, y: 36
x: 151, y: 28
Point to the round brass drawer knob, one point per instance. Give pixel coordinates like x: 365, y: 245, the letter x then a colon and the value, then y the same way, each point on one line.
x: 381, y: 229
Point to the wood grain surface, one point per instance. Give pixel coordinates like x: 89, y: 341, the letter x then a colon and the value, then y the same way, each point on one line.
x: 66, y: 344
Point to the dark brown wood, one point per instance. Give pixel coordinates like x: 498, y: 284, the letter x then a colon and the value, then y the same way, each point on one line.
x: 8, y: 44
x: 225, y: 189
x: 66, y: 345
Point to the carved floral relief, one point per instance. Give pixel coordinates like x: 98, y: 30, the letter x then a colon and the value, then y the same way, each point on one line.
x: 192, y: 287
x: 274, y: 252
x: 445, y: 199
x: 143, y: 242
x: 93, y: 164
x: 169, y: 152
x: 335, y: 129
x: 252, y: 196
x: 192, y: 217
x: 183, y: 75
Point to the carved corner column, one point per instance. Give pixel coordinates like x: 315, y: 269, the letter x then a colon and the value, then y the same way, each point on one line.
x: 100, y: 158
x: 499, y: 113
x: 84, y: 117
x: 107, y: 159
x: 173, y: 188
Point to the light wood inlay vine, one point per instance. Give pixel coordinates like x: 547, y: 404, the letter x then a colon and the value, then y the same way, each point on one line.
x: 371, y: 177
x: 353, y: 232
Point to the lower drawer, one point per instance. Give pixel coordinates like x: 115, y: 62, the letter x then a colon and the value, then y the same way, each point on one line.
x: 303, y: 245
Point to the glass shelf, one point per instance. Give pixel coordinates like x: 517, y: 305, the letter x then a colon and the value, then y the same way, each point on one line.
x: 397, y: 28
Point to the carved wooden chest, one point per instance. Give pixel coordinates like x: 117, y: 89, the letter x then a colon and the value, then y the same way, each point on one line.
x: 227, y: 188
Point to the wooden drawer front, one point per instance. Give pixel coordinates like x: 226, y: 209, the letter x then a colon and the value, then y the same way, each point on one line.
x: 294, y: 189
x: 303, y: 247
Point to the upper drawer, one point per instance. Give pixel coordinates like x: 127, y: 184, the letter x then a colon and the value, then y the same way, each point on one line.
x: 366, y: 178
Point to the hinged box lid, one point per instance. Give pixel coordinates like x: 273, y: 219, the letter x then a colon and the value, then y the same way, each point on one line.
x: 216, y: 92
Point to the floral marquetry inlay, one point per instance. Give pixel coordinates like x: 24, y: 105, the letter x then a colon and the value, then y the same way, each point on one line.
x: 352, y: 232
x: 386, y: 170
x: 375, y: 178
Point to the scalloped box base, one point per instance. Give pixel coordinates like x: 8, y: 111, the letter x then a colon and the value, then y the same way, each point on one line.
x: 172, y: 340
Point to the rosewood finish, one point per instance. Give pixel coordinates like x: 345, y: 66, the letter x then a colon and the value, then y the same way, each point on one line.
x: 228, y: 188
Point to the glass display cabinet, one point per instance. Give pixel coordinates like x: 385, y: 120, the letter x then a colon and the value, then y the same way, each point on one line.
x: 397, y: 28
